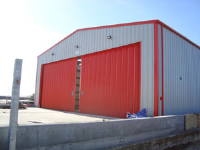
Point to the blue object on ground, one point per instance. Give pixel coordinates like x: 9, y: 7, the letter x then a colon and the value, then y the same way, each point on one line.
x: 140, y: 114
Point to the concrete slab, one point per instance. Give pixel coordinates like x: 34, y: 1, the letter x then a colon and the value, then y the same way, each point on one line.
x: 47, y: 116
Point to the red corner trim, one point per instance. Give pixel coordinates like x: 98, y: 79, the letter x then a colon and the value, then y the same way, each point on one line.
x: 140, y: 74
x: 156, y: 69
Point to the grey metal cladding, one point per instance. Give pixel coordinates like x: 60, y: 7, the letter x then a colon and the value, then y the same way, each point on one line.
x: 160, y: 69
x: 90, y: 41
x: 181, y: 75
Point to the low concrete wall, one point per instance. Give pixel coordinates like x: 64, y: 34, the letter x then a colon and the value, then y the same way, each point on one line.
x: 192, y: 121
x: 92, y: 135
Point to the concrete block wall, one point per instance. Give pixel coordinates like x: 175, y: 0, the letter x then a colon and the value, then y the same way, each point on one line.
x: 192, y: 121
x: 92, y: 135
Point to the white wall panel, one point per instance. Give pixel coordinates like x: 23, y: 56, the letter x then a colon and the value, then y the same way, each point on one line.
x: 160, y: 70
x: 181, y: 59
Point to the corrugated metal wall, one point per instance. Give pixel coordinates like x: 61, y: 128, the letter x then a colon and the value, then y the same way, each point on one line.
x: 181, y: 75
x: 160, y: 70
x: 58, y: 85
x: 110, y: 82
x: 90, y: 41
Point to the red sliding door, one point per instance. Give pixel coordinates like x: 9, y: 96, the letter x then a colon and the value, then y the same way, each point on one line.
x: 110, y: 81
x: 58, y: 85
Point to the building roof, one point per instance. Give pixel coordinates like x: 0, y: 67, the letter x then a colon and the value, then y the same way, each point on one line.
x: 125, y: 24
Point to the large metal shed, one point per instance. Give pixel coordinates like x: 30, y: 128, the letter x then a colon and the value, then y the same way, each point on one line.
x: 115, y: 69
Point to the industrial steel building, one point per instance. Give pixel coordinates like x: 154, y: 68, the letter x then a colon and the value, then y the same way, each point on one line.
x: 115, y: 69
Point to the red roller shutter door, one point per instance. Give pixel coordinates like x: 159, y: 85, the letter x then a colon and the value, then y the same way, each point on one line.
x: 110, y: 81
x: 58, y: 85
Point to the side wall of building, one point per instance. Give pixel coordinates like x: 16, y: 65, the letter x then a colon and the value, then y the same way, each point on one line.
x: 181, y: 75
x: 90, y: 41
x: 160, y: 69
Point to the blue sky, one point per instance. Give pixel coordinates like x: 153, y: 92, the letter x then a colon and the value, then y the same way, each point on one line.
x: 29, y: 27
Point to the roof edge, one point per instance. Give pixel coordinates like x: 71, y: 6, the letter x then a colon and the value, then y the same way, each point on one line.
x: 102, y: 27
x: 125, y: 24
x: 171, y: 29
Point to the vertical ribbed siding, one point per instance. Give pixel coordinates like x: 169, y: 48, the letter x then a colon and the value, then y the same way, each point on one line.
x: 59, y: 79
x: 110, y: 82
x: 160, y: 70
x: 181, y: 59
x: 91, y: 41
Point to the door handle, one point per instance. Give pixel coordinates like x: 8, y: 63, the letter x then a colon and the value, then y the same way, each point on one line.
x: 72, y: 93
x: 81, y: 93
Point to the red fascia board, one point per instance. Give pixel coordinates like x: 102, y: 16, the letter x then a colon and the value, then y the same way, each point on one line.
x: 169, y: 28
x: 103, y: 27
x: 58, y: 43
x: 120, y: 25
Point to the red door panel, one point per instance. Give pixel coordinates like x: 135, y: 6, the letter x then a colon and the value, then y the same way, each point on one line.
x: 110, y: 81
x: 58, y: 85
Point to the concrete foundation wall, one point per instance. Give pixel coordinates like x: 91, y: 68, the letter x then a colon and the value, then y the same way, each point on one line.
x: 172, y: 142
x: 192, y: 121
x: 92, y: 135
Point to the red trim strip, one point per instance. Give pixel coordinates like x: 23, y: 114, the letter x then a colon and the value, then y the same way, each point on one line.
x: 156, y: 69
x: 168, y: 27
x: 58, y: 43
x: 140, y: 72
x: 162, y: 71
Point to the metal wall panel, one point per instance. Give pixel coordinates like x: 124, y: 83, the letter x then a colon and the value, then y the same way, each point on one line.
x: 91, y: 41
x: 181, y: 75
x: 160, y: 70
x: 110, y: 82
x: 58, y: 85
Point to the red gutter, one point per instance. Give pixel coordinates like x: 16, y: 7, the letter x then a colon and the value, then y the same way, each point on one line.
x: 156, y: 62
